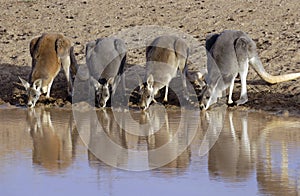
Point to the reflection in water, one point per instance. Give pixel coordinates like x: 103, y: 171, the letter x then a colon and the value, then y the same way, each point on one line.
x: 162, y: 141
x: 278, y: 166
x: 230, y: 157
x: 212, y: 123
x: 52, y: 143
x: 247, y: 149
x: 168, y: 146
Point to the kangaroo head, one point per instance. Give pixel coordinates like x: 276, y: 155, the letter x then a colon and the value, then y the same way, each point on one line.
x: 102, y: 91
x: 212, y: 90
x: 209, y: 95
x: 33, y: 91
x: 147, y: 93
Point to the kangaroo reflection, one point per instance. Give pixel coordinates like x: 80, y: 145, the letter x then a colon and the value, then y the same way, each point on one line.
x: 254, y: 142
x: 230, y: 156
x: 212, y: 123
x: 52, y: 143
x: 107, y: 139
x: 275, y: 164
x: 169, y: 145
x: 137, y: 152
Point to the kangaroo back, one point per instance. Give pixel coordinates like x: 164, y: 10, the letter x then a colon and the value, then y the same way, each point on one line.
x: 44, y: 58
x: 105, y: 57
x: 165, y: 55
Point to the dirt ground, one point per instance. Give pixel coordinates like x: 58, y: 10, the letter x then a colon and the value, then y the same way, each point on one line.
x: 274, y: 25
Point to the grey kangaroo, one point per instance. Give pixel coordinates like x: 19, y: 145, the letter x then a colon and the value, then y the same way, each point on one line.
x: 106, y: 59
x: 229, y: 54
x: 164, y: 56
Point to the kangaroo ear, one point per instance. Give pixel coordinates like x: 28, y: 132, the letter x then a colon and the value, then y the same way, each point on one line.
x: 95, y: 83
x: 150, y: 81
x: 62, y: 46
x: 37, y: 84
x: 111, y: 81
x: 24, y: 83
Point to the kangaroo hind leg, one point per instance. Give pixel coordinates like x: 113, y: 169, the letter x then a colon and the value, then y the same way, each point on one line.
x: 66, y: 62
x: 241, y: 49
x: 166, y: 94
x: 231, y: 90
x: 63, y: 47
x: 243, y: 75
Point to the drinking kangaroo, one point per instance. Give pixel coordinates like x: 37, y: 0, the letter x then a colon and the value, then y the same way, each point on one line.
x: 49, y: 52
x: 164, y: 56
x: 229, y: 54
x: 106, y: 59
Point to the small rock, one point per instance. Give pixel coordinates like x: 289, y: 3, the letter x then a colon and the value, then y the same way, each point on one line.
x: 230, y: 18
x: 70, y: 17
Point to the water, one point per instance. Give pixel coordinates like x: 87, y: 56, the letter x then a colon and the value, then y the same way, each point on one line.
x: 231, y: 153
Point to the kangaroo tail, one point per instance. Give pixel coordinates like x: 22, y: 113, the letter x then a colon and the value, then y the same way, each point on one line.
x: 258, y: 67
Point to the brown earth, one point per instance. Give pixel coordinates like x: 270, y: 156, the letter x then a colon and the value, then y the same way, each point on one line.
x: 274, y: 25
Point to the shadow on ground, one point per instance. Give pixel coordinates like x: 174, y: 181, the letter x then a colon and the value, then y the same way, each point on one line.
x: 280, y: 98
x: 12, y: 91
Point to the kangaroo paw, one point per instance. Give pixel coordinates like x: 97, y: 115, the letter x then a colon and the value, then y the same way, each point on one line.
x: 230, y: 102
x: 242, y: 101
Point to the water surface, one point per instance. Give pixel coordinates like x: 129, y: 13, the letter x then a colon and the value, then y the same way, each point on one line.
x: 232, y: 153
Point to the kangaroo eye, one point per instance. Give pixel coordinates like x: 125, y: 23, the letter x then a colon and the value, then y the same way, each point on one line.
x: 148, y: 96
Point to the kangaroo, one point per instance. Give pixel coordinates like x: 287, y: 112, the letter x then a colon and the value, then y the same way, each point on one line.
x: 164, y: 56
x: 229, y: 54
x: 106, y: 59
x: 49, y: 52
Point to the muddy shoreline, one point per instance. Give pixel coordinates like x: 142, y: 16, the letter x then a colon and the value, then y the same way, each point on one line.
x: 273, y: 25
